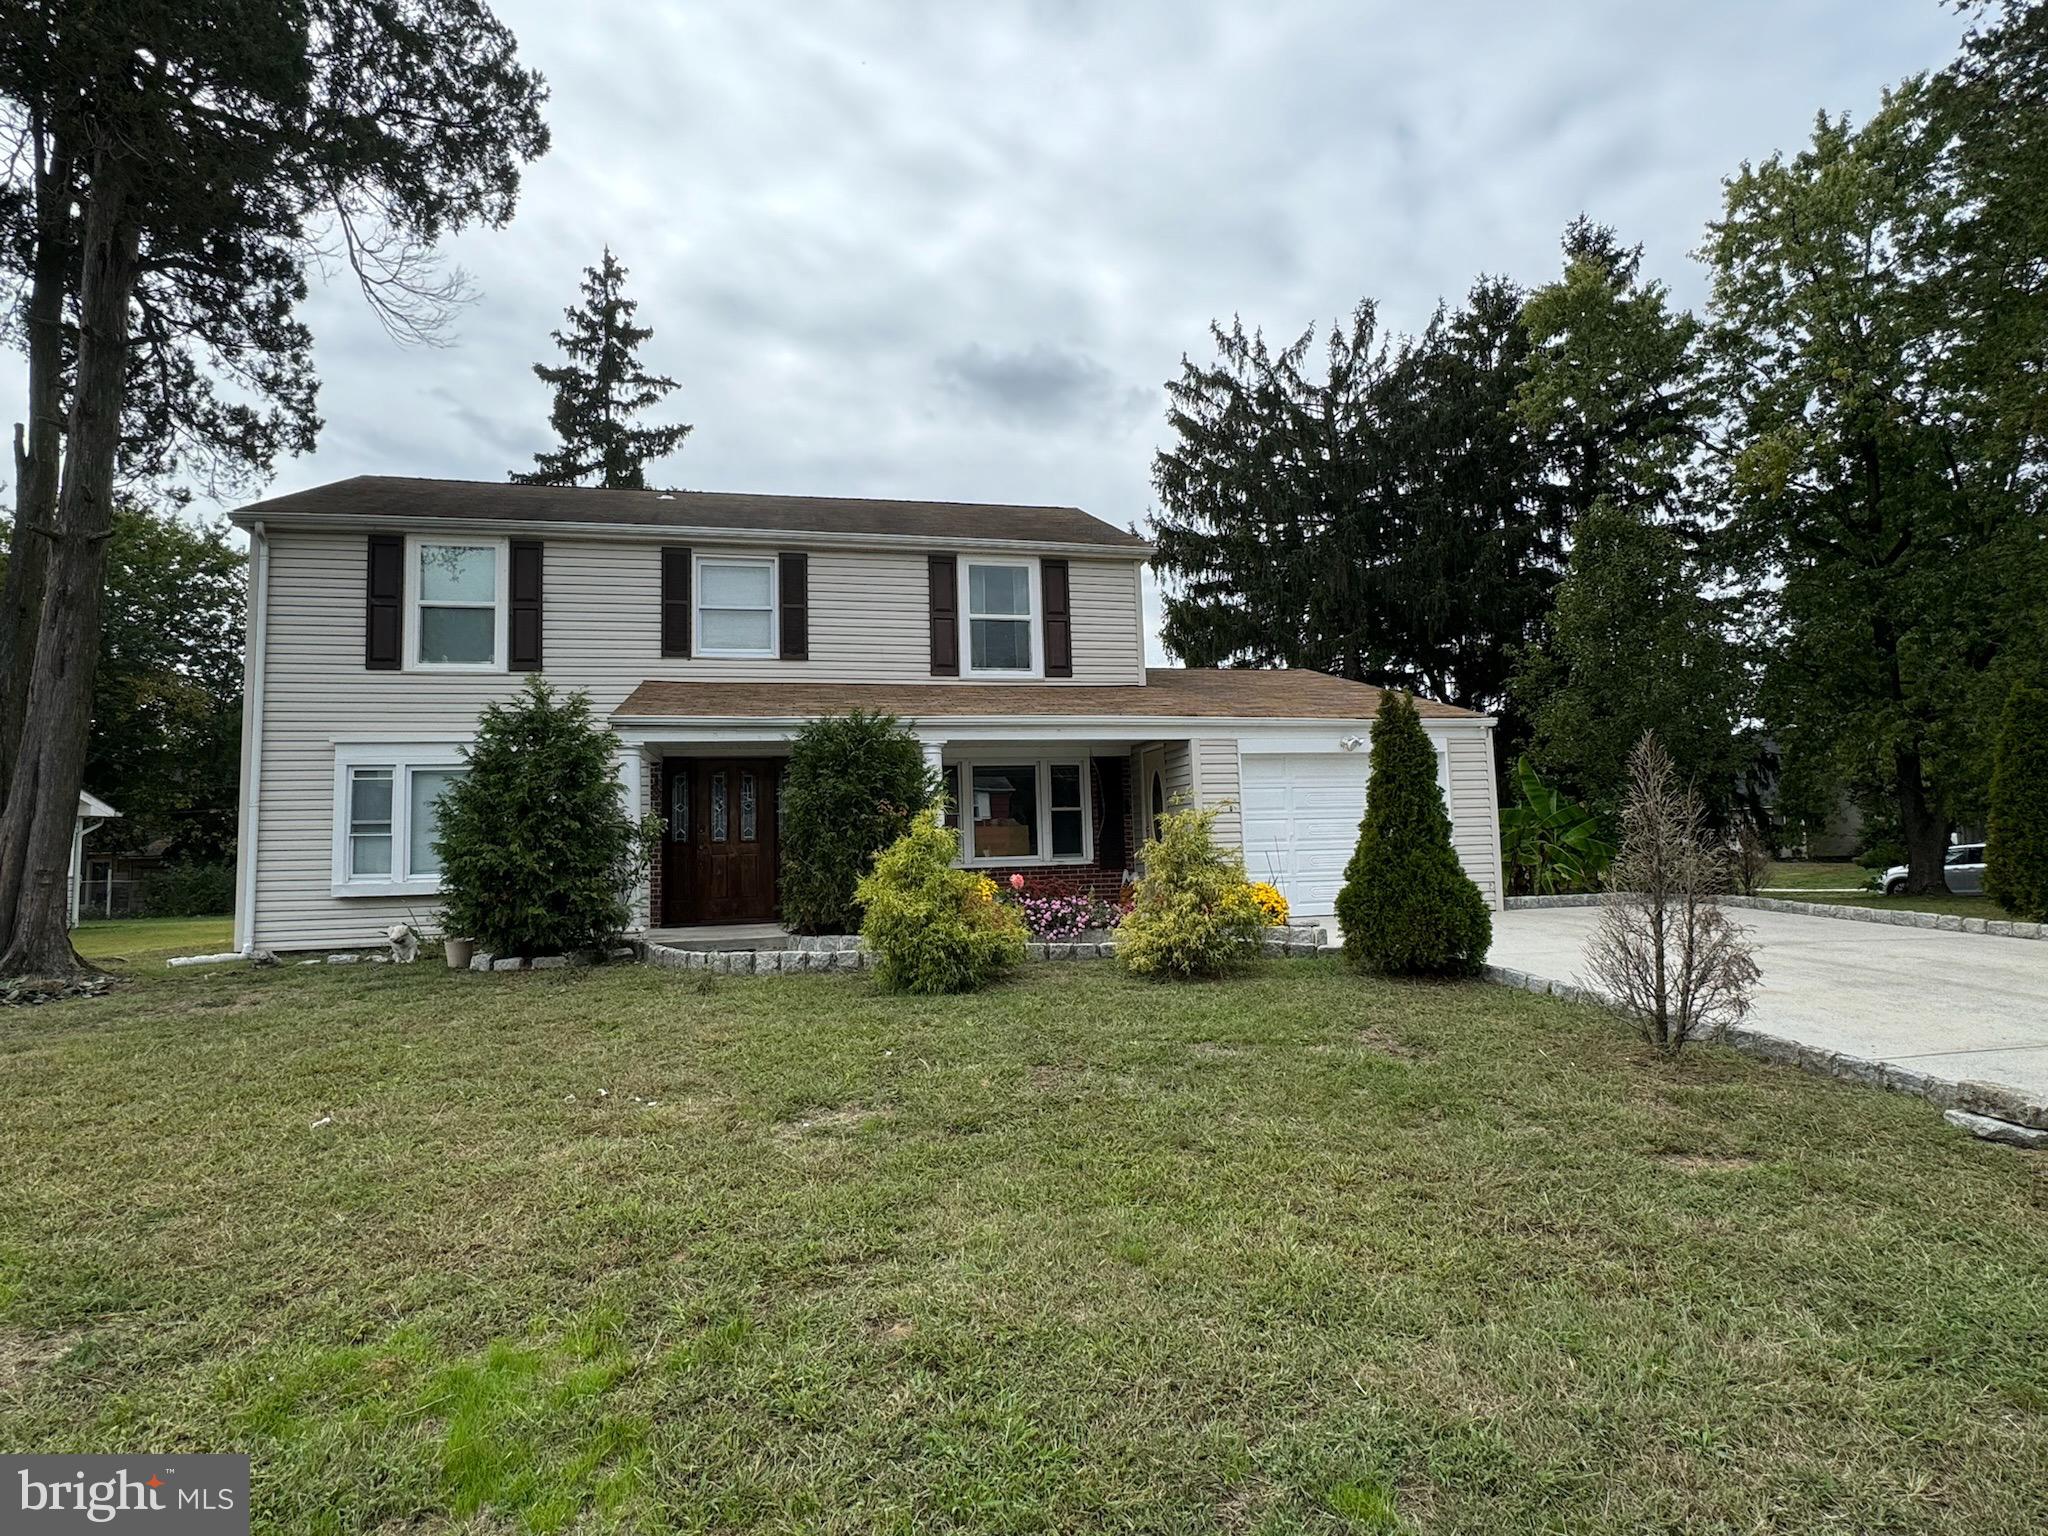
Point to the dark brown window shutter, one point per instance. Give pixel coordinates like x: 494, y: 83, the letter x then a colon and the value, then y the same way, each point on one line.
x: 1059, y: 618
x: 525, y: 618
x: 675, y: 600
x: 794, y: 595
x: 945, y: 616
x: 384, y: 605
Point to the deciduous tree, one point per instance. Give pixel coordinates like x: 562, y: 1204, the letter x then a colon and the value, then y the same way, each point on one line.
x: 190, y: 164
x: 1866, y: 494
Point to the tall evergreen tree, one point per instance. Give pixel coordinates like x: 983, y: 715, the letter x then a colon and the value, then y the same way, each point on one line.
x: 600, y: 390
x: 2016, y: 835
x: 1642, y: 634
x: 177, y: 169
x: 1383, y: 518
x: 1277, y: 523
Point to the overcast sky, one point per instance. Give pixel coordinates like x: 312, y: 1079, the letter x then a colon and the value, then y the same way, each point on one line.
x: 953, y: 251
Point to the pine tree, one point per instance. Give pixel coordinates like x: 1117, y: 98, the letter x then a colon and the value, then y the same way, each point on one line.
x: 1408, y: 908
x: 2016, y: 847
x: 600, y: 390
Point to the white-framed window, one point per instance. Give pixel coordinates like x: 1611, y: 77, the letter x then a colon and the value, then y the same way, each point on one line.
x: 455, y: 607
x: 735, y: 605
x: 999, y: 617
x: 1010, y: 808
x: 386, y: 818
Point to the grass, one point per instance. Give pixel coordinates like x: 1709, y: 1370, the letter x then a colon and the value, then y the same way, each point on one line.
x: 122, y: 941
x: 1959, y: 906
x: 638, y: 1251
x: 1792, y: 875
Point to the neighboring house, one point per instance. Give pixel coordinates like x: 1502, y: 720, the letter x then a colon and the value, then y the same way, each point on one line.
x: 92, y: 810
x: 385, y: 613
x: 110, y: 884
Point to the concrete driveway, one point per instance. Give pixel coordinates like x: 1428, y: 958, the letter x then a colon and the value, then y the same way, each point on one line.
x: 1953, y: 1005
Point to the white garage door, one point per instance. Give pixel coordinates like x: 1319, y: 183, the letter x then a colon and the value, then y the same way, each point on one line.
x: 1301, y: 815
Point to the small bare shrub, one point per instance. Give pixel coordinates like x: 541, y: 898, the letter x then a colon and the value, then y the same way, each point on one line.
x: 1751, y: 859
x: 1666, y: 949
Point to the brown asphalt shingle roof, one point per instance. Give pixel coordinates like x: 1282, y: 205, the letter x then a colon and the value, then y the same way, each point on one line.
x: 1168, y: 692
x: 398, y: 500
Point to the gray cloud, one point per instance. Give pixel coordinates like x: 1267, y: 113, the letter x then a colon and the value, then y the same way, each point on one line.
x: 954, y: 251
x: 1042, y: 386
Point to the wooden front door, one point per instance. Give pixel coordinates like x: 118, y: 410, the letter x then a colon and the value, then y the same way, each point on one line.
x: 720, y: 861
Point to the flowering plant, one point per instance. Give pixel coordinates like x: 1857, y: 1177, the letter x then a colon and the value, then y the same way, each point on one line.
x: 1056, y: 918
x: 1271, y: 902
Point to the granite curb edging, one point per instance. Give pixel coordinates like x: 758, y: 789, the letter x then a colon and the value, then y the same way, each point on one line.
x: 1944, y: 922
x: 1984, y: 1100
x: 848, y: 953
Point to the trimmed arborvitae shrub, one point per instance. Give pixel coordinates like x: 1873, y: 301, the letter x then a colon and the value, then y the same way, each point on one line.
x: 2016, y: 840
x: 1193, y: 914
x: 855, y: 782
x: 538, y: 855
x: 935, y: 928
x: 1407, y: 907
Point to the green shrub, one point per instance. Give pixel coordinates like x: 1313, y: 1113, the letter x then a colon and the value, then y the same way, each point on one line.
x: 934, y: 928
x: 187, y: 890
x: 538, y: 856
x: 1193, y: 913
x: 2016, y: 839
x: 855, y: 781
x: 1548, y: 844
x: 1408, y: 907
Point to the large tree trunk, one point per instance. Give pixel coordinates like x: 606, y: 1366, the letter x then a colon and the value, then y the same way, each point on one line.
x: 42, y: 799
x: 1925, y: 833
x: 37, y: 447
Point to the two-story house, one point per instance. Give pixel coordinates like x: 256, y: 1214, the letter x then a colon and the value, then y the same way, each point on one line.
x: 384, y: 613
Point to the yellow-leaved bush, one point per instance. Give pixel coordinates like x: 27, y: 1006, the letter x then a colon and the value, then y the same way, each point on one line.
x: 934, y: 928
x: 1192, y: 913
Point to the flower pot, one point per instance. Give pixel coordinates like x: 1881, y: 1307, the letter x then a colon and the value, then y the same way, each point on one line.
x: 459, y: 951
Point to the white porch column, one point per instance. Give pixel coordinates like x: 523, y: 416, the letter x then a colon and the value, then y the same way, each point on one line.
x: 632, y: 770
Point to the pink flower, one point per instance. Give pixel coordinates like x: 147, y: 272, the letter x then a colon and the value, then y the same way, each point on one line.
x: 1016, y: 882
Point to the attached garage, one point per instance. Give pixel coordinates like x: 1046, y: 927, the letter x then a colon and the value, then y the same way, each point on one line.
x: 1301, y: 815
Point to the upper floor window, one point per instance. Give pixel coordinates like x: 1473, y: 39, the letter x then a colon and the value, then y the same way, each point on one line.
x: 456, y: 618
x: 736, y: 606
x: 1000, y: 607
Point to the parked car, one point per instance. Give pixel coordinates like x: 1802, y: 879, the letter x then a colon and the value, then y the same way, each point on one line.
x: 1962, y: 871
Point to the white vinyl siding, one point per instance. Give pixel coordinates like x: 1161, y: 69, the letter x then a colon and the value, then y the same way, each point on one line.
x: 1302, y: 810
x: 602, y: 621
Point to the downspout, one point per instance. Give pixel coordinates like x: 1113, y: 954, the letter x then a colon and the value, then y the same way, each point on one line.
x: 256, y: 636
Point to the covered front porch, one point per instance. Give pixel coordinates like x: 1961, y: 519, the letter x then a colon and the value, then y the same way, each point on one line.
x: 1066, y: 809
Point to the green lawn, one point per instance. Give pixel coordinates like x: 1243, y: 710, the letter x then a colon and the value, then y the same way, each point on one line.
x: 117, y: 942
x: 1791, y: 875
x: 1960, y: 906
x: 641, y: 1251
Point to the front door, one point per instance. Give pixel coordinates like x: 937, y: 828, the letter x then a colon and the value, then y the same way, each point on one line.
x: 719, y: 855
